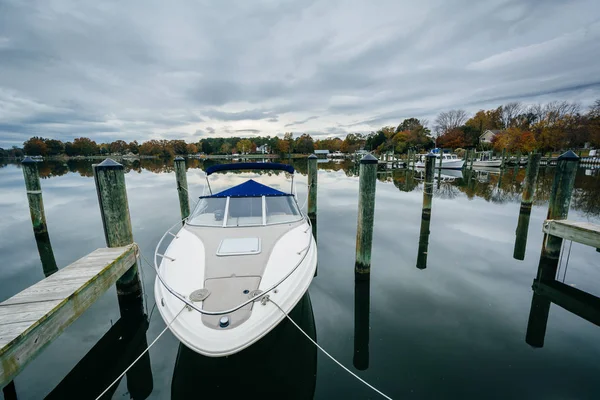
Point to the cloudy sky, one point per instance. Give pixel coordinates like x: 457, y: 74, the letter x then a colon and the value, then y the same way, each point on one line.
x: 188, y: 69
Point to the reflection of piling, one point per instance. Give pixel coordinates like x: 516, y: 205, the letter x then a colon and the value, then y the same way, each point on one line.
x: 313, y: 173
x: 38, y: 216
x: 312, y: 186
x: 114, y: 210
x: 533, y: 167
x: 440, y: 169
x: 558, y: 208
x: 366, y: 211
x: 361, y: 325
x: 182, y: 187
x: 538, y: 320
x: 426, y: 213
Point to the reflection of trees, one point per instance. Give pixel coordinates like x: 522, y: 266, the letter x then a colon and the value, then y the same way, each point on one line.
x: 493, y: 187
x: 446, y: 190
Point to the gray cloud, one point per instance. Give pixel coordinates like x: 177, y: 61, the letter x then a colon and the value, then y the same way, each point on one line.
x: 301, y: 122
x: 140, y: 70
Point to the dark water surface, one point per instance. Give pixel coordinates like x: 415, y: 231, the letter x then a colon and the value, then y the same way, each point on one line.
x: 453, y: 330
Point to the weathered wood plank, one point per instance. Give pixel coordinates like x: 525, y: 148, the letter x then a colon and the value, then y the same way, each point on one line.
x: 56, y: 302
x: 580, y: 232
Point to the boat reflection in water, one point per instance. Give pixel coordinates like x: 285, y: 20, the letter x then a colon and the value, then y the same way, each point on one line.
x: 282, y: 364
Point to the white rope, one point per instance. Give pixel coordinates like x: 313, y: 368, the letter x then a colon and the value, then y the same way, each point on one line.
x: 141, y: 355
x: 329, y: 355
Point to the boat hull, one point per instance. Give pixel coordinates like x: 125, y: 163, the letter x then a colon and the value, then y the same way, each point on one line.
x: 191, y: 328
x: 446, y: 164
x: 488, y: 164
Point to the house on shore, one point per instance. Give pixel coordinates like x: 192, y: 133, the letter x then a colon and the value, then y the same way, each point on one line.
x: 487, y: 136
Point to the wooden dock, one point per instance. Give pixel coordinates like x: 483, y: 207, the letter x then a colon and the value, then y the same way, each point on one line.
x: 580, y: 232
x: 33, y: 318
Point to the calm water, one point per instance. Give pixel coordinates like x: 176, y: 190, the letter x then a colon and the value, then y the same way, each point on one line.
x: 453, y: 330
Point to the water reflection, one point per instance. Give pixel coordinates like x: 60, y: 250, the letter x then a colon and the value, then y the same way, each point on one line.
x: 282, y: 364
x: 109, y: 357
x: 547, y: 291
x: 479, y: 182
x: 362, y: 306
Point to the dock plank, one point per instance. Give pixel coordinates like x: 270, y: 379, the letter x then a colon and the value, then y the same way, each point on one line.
x: 580, y: 232
x: 33, y: 318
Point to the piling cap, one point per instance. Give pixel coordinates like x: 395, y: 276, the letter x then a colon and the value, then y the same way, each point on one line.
x: 430, y: 155
x: 109, y: 163
x: 568, y: 155
x: 179, y: 158
x: 312, y: 157
x: 27, y: 160
x: 369, y: 159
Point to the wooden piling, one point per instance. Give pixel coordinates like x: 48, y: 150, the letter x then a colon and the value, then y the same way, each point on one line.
x: 426, y: 212
x: 109, y: 177
x: 366, y: 211
x: 503, y: 158
x: 472, y: 157
x: 38, y: 216
x: 558, y: 209
x: 34, y: 195
x: 182, y: 187
x: 531, y: 174
x: 313, y: 174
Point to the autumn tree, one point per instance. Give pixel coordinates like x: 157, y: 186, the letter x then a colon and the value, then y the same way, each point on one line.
x: 36, y: 146
x: 353, y: 142
x: 179, y: 146
x: 289, y: 137
x: 191, y: 148
x: 133, y: 147
x: 85, y: 147
x: 449, y: 120
x: 225, y: 148
x: 486, y: 119
x: 118, y: 147
x: 453, y: 138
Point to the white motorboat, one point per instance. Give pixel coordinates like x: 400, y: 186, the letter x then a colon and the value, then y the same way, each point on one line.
x: 486, y: 160
x: 449, y: 161
x: 241, y: 254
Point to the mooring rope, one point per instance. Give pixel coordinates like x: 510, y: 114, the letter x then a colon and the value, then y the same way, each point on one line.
x: 326, y: 353
x: 267, y: 298
x: 141, y: 355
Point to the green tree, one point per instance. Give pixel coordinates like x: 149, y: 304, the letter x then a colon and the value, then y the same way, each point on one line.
x: 54, y: 147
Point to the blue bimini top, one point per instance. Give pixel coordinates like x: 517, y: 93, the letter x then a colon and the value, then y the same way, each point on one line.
x: 250, y: 188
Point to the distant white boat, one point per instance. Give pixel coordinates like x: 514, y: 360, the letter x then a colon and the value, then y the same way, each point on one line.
x: 237, y: 250
x: 485, y: 160
x: 449, y: 161
x: 336, y: 154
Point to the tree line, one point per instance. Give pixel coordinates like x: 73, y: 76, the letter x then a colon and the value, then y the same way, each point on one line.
x: 518, y: 127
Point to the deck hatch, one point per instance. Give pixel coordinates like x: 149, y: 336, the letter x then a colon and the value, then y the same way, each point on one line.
x: 239, y: 246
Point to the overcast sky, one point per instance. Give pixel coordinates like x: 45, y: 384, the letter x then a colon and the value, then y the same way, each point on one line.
x: 187, y: 69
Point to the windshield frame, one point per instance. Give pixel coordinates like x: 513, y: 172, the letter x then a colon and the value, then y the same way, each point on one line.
x: 264, y: 222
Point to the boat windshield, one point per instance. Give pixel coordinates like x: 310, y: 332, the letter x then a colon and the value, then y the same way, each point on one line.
x: 245, y: 211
